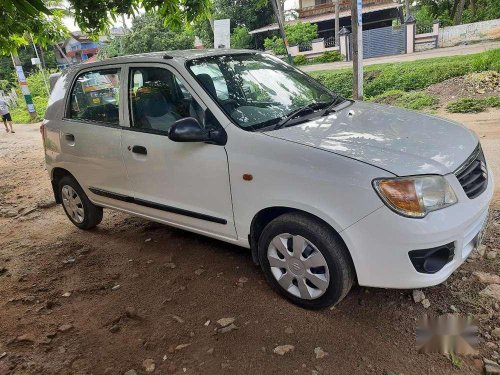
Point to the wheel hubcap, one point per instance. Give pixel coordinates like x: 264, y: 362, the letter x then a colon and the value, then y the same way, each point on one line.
x: 298, y: 266
x: 73, y: 204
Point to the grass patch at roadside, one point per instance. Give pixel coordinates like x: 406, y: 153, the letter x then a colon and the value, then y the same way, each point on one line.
x: 473, y: 105
x: 410, y: 100
x: 411, y: 75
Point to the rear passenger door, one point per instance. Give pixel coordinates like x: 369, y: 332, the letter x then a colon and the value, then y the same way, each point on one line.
x: 186, y: 184
x: 91, y: 134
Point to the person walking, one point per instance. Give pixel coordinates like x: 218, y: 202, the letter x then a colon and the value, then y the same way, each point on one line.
x: 6, y: 117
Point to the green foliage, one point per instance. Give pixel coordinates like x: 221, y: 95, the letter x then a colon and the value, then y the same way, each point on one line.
x: 410, y: 100
x: 328, y: 56
x: 472, y: 105
x: 297, y: 33
x: 410, y: 76
x: 484, y: 10
x: 300, y: 60
x: 240, y: 38
x: 444, y: 11
x: 250, y: 13
x: 275, y: 44
x: 38, y: 90
x: 148, y: 34
x: 19, y: 24
x: 301, y: 32
x: 95, y: 16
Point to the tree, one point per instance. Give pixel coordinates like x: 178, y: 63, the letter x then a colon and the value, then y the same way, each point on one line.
x: 450, y: 12
x: 240, y: 38
x: 148, y: 34
x: 92, y: 16
x: 250, y: 13
x: 17, y: 24
x: 297, y: 33
x: 95, y: 16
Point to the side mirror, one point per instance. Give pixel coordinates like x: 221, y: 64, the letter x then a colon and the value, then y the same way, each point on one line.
x: 189, y: 130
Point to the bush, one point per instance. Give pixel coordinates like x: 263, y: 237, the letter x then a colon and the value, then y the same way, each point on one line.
x: 240, y: 38
x: 409, y: 100
x: 297, y: 33
x: 472, y: 105
x: 329, y: 56
x: 300, y: 60
x: 410, y: 76
x: 40, y: 97
x: 301, y: 32
x: 275, y: 44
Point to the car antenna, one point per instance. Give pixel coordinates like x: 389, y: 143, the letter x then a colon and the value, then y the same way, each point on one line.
x: 167, y: 57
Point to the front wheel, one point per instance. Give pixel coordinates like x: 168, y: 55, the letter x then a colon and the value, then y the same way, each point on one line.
x: 305, y: 261
x: 77, y: 206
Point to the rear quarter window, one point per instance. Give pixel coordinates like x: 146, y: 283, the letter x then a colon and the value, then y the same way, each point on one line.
x: 95, y: 97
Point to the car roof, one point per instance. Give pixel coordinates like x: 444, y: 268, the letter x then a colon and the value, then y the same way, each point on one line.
x: 181, y: 55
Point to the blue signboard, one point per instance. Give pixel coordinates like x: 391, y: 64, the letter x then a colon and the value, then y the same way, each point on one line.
x: 360, y: 11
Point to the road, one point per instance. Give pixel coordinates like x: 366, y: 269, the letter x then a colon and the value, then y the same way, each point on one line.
x: 132, y: 292
x: 438, y: 52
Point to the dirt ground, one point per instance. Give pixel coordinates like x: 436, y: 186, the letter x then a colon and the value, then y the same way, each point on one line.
x: 133, y: 295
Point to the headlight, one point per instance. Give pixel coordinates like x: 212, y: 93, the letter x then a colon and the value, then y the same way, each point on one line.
x: 415, y: 196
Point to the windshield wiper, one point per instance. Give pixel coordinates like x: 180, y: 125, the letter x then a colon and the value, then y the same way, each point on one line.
x: 335, y: 103
x: 298, y: 112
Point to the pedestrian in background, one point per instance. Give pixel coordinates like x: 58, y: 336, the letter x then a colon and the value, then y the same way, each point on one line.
x: 6, y: 117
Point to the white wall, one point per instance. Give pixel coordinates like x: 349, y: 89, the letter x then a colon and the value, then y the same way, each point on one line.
x: 308, y: 3
x: 453, y: 35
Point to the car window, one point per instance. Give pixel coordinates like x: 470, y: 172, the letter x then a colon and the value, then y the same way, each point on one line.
x: 258, y: 90
x: 158, y: 99
x: 95, y: 97
x: 209, y: 73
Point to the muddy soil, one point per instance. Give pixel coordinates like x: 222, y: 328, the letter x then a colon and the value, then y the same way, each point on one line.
x: 136, y: 295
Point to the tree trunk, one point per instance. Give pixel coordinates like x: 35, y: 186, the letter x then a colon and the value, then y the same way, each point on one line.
x: 407, y: 8
x: 457, y: 19
x: 337, y: 23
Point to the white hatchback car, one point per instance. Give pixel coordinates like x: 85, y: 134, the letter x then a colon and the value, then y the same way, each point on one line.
x: 239, y: 146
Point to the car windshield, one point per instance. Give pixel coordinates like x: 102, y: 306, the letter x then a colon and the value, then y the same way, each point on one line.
x: 257, y: 91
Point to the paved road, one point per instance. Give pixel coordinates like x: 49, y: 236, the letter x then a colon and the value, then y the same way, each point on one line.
x: 439, y: 52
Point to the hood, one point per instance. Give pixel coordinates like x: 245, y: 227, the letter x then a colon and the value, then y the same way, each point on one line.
x: 400, y: 141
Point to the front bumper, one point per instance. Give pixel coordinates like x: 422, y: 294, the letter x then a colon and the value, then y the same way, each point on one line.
x: 380, y: 243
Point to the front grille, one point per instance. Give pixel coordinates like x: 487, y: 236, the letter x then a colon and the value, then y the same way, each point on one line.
x: 473, y: 174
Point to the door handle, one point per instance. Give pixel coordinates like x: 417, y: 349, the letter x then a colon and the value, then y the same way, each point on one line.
x: 139, y: 150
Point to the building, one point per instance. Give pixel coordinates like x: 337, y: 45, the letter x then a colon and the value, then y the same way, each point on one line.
x: 376, y: 14
x: 78, y: 47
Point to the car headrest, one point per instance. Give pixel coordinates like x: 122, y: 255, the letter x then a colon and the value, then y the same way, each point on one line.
x: 151, y: 102
x: 208, y: 83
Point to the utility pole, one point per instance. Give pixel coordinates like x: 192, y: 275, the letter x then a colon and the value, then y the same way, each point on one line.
x: 337, y: 23
x: 24, y: 85
x: 357, y: 49
x: 280, y: 16
x: 41, y: 66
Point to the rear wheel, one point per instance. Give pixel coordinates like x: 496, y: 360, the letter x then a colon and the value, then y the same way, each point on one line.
x: 305, y: 261
x: 77, y: 206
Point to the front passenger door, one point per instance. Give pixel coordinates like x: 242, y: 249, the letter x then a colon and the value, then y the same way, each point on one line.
x: 185, y: 184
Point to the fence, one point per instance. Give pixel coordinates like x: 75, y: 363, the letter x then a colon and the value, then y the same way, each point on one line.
x: 329, y: 42
x: 304, y: 47
x: 470, y: 32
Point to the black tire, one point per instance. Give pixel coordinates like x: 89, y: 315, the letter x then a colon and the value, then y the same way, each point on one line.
x: 326, y: 241
x: 92, y: 213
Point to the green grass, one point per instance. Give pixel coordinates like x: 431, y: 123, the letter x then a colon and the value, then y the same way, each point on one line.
x: 410, y: 100
x: 473, y: 105
x: 409, y: 76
